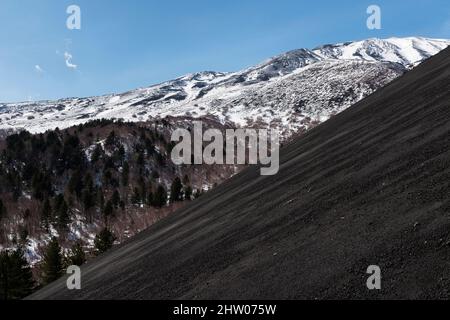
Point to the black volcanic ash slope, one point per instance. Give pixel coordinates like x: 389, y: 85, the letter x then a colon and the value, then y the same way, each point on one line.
x: 370, y: 186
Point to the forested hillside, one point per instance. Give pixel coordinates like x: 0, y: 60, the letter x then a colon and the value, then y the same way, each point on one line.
x: 80, y: 190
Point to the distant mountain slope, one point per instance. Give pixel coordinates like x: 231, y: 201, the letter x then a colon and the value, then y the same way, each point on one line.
x: 368, y: 187
x: 293, y: 91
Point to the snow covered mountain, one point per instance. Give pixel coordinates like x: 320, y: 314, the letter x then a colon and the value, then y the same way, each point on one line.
x: 407, y: 51
x: 293, y: 91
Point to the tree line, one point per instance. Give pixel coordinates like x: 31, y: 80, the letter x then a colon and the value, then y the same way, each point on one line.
x: 91, y: 170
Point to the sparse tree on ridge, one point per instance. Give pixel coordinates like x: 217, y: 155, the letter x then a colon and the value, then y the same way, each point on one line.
x: 176, y: 190
x: 77, y: 256
x: 104, y: 241
x: 52, y: 264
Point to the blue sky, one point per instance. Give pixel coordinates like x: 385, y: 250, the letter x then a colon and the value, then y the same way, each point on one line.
x: 128, y: 44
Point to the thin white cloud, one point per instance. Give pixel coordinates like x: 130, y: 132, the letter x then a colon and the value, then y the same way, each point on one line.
x: 38, y: 69
x: 68, y: 57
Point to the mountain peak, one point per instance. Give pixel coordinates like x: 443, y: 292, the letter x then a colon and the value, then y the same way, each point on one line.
x: 407, y: 51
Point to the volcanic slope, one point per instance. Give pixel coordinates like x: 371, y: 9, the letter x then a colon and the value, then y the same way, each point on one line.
x: 368, y: 187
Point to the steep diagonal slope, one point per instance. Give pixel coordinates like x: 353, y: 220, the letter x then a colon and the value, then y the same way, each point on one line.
x: 370, y: 186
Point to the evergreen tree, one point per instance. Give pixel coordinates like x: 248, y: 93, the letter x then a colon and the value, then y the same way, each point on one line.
x: 75, y: 184
x: 17, y: 192
x: 88, y: 182
x: 125, y: 174
x: 72, y: 155
x: 104, y: 241
x: 101, y: 199
x: 63, y: 215
x: 176, y: 193
x: 155, y: 174
x: 2, y: 210
x: 140, y: 160
x: 4, y: 275
x: 88, y: 199
x: 188, y: 193
x: 41, y: 185
x: 16, y: 279
x: 62, y: 212
x: 23, y: 234
x: 111, y: 139
x: 142, y: 189
x: 46, y: 213
x: 115, y: 199
x: 160, y: 197
x: 108, y: 210
x: 77, y: 256
x: 52, y: 264
x: 26, y: 214
x: 197, y: 194
x: 136, y: 198
x: 150, y: 198
x: 97, y: 153
x: 121, y: 153
x: 107, y: 177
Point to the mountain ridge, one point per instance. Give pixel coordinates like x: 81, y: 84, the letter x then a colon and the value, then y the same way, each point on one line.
x: 231, y: 97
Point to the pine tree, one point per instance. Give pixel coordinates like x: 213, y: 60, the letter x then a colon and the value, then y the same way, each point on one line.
x: 26, y: 214
x: 136, y: 198
x: 62, y: 212
x: 88, y: 182
x: 176, y: 193
x: 188, y: 193
x: 77, y: 256
x: 72, y: 154
x: 23, y: 235
x: 104, y: 241
x: 101, y: 199
x: 107, y: 177
x: 46, y: 213
x: 142, y: 189
x: 4, y: 275
x: 115, y: 199
x: 53, y: 263
x: 140, y: 159
x: 75, y: 184
x: 121, y: 153
x: 125, y: 173
x: 150, y: 198
x: 111, y: 139
x: 160, y: 197
x: 97, y: 153
x: 41, y: 185
x: 155, y: 174
x: 16, y: 279
x: 108, y: 210
x: 87, y: 199
x: 197, y: 194
x: 2, y: 210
